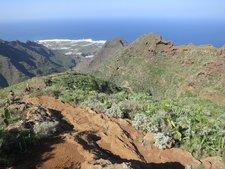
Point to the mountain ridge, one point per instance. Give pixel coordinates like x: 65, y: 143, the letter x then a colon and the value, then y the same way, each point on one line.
x: 154, y: 65
x: 23, y: 60
x: 20, y: 61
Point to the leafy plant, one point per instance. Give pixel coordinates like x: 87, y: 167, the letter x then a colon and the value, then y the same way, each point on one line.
x: 6, y: 116
x: 13, y: 144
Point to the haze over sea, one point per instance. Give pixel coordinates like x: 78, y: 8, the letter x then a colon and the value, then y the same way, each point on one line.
x: 181, y: 32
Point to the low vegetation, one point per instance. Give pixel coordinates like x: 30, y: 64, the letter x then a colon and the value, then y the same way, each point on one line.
x: 186, y: 122
x: 17, y: 137
x: 13, y: 142
x: 152, y: 65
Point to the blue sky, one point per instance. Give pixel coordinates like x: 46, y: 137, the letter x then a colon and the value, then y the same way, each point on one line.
x: 16, y: 10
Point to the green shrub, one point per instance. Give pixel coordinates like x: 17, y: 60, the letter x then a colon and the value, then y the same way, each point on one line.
x: 115, y: 111
x: 8, y: 117
x: 94, y: 104
x: 13, y: 144
x: 141, y: 121
x: 45, y: 128
x: 192, y: 126
x: 162, y: 140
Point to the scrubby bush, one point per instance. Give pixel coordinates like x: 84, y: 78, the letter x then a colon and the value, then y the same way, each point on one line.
x: 141, y: 121
x: 162, y: 140
x: 45, y: 128
x: 130, y: 107
x: 191, y: 127
x: 115, y: 111
x: 94, y: 104
x: 14, y: 143
x: 8, y: 117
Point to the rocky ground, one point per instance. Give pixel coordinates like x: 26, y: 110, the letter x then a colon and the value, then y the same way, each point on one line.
x: 87, y: 139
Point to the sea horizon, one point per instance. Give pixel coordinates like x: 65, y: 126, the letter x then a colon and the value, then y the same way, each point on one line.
x: 181, y: 32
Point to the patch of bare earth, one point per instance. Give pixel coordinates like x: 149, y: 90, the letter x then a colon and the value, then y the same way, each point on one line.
x: 98, y: 141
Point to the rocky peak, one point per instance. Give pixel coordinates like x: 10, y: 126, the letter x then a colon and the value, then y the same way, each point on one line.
x: 153, y: 44
x: 150, y: 38
x: 150, y: 44
x: 115, y: 43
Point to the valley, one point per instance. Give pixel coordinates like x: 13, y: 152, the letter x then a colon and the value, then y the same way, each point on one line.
x: 20, y: 61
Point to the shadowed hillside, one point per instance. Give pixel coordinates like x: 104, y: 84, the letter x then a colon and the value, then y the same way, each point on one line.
x: 20, y: 61
x: 110, y: 48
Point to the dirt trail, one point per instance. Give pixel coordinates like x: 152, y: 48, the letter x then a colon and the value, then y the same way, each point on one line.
x: 98, y: 141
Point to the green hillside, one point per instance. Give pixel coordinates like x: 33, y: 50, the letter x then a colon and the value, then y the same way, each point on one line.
x: 20, y: 61
x: 154, y: 65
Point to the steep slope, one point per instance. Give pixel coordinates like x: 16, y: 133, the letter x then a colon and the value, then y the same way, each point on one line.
x: 20, y: 61
x: 91, y: 123
x: 109, y: 49
x: 97, y: 141
x: 154, y: 65
x: 70, y: 53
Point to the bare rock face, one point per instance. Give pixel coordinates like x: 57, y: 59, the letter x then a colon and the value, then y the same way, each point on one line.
x: 149, y: 139
x: 213, y: 163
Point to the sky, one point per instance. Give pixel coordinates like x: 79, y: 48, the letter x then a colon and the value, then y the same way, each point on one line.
x: 17, y: 10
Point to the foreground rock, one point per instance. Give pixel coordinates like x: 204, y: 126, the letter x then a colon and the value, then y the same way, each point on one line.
x: 96, y: 141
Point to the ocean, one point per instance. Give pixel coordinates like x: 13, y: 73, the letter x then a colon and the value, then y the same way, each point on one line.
x: 181, y: 32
